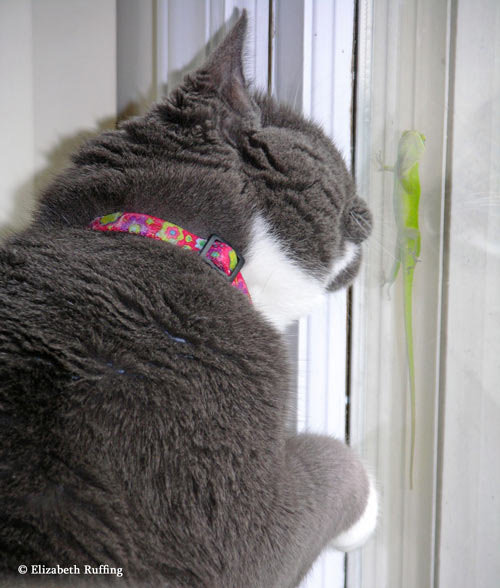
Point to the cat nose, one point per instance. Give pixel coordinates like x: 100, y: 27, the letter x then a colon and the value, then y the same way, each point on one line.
x: 358, y: 221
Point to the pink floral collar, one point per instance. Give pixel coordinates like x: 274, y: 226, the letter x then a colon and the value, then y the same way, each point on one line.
x: 214, y: 250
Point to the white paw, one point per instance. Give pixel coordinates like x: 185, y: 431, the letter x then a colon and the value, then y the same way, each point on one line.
x: 356, y: 535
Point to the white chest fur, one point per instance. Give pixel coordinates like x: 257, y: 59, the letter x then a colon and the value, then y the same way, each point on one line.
x: 280, y: 289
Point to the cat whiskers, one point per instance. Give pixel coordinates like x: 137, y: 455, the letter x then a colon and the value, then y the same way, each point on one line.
x: 364, y: 226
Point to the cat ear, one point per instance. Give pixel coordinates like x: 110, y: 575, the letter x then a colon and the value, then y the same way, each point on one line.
x: 225, y: 68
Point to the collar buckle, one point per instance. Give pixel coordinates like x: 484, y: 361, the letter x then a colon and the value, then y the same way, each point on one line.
x: 205, y: 251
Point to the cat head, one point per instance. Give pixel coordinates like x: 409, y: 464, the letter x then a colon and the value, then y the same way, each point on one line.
x: 214, y: 157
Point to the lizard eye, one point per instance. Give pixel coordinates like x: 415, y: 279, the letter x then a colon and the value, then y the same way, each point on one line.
x: 358, y: 222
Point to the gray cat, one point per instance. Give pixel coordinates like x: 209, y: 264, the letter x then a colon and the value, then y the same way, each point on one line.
x: 144, y: 397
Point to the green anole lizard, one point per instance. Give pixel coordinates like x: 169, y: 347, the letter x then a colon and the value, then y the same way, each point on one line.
x: 405, y: 201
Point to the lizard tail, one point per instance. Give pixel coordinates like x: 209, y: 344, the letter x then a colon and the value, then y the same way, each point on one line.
x: 408, y: 318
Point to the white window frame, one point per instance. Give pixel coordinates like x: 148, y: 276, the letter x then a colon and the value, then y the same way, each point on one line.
x: 310, y: 61
x: 312, y: 70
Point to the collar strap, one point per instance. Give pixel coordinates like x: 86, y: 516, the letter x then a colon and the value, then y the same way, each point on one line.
x: 214, y: 250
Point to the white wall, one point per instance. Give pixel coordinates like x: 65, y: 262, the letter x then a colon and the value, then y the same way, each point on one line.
x: 17, y: 108
x: 58, y: 69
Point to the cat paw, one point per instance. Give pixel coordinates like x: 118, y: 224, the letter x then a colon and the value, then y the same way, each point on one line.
x: 360, y: 532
